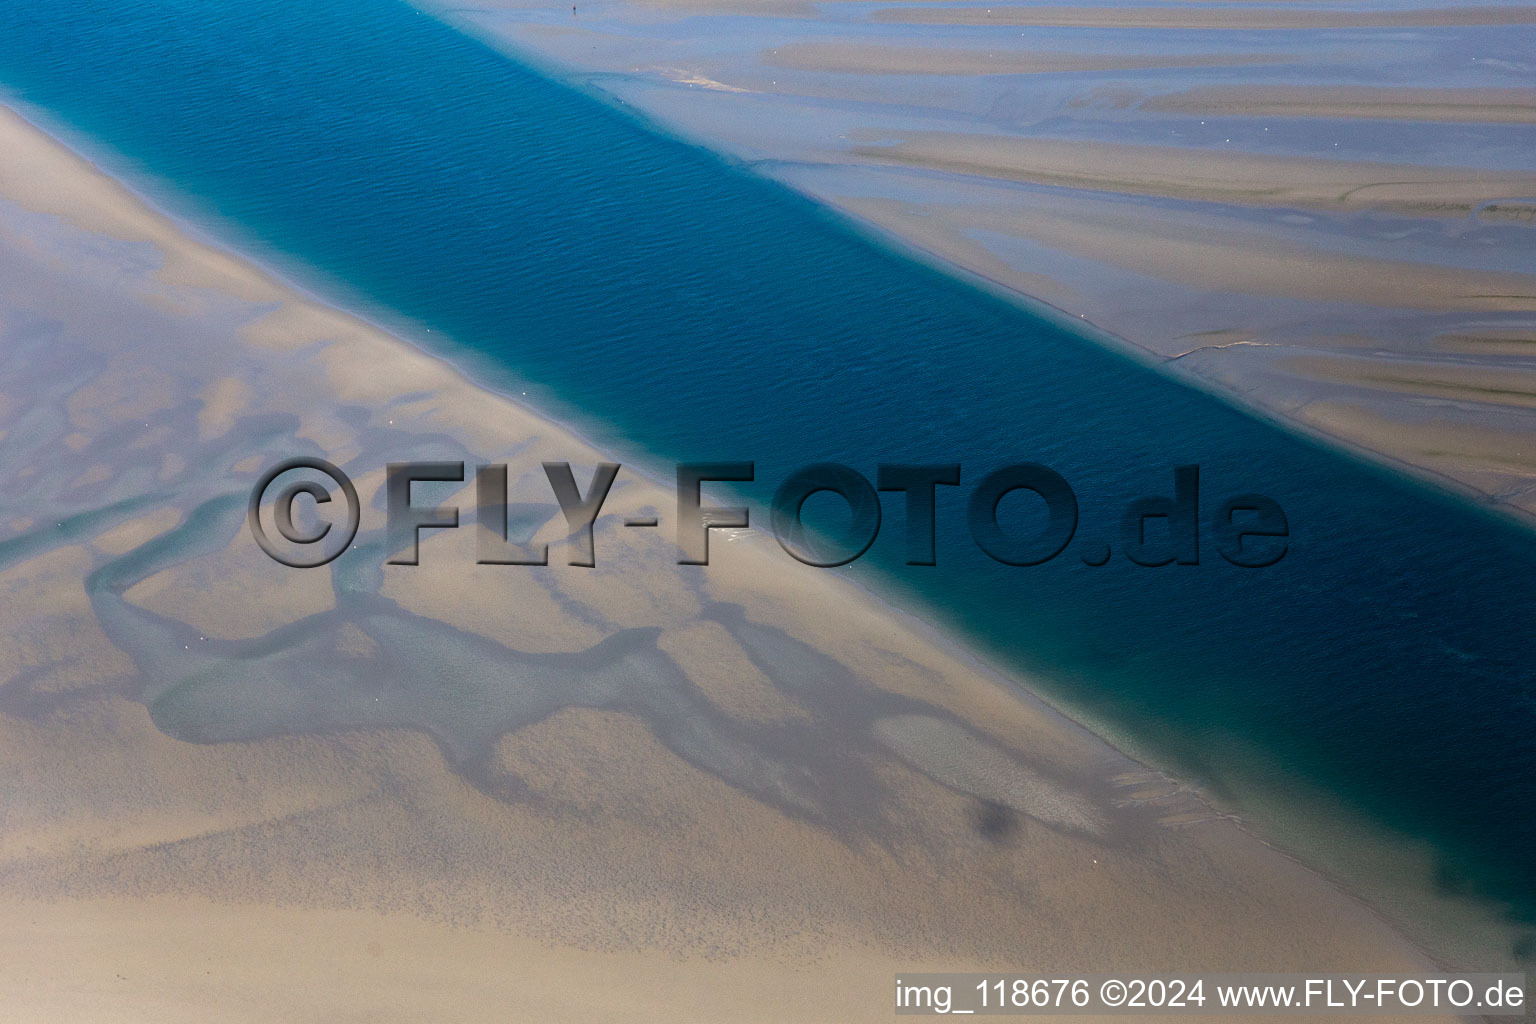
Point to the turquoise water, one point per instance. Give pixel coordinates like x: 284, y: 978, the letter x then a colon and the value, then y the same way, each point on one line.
x: 662, y: 298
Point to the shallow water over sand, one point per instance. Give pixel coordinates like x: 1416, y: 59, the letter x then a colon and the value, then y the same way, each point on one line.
x: 1325, y: 211
x: 655, y: 296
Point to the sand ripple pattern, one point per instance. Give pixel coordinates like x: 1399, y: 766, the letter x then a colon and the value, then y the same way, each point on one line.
x: 1326, y: 210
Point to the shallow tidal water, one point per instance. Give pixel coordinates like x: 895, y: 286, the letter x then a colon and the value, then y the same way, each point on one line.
x: 664, y: 301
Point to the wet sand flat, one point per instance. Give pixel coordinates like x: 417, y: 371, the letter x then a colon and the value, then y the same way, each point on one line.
x: 1474, y: 106
x: 1222, y: 177
x: 508, y: 790
x: 1225, y: 188
x: 1217, y: 18
x: 925, y: 60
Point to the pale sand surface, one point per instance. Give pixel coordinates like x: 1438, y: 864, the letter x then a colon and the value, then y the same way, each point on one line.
x: 178, y: 960
x: 237, y: 791
x: 928, y: 60
x: 1227, y: 188
x: 1222, y: 177
x: 1214, y: 17
x: 1405, y: 103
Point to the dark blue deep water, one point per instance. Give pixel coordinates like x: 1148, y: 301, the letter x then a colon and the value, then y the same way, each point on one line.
x: 655, y: 294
